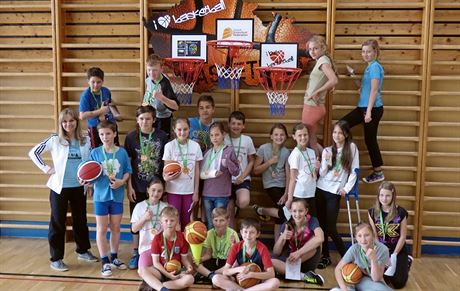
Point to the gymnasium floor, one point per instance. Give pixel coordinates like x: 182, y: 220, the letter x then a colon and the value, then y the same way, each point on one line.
x: 24, y: 265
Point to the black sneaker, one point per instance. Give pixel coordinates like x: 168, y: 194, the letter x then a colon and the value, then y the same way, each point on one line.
x: 325, y: 261
x: 261, y: 217
x: 374, y: 177
x: 313, y: 278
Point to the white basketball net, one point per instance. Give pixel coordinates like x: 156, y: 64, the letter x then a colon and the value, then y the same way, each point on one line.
x: 229, y: 72
x: 182, y: 88
x: 277, y: 97
x: 183, y: 91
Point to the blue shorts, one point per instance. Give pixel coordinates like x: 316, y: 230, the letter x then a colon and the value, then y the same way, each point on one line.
x: 108, y: 207
x: 245, y: 185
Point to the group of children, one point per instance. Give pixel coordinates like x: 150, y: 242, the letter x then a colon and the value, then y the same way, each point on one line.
x: 304, y: 184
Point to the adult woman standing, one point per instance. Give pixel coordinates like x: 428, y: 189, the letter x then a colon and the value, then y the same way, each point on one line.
x: 370, y: 107
x: 68, y: 149
x: 322, y: 79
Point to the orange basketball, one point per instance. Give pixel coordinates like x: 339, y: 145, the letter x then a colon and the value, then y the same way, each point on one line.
x: 173, y: 167
x: 195, y: 232
x: 247, y: 283
x: 351, y: 273
x: 173, y: 266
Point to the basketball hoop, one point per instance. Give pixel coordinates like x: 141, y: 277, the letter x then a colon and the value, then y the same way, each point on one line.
x: 277, y: 81
x: 227, y: 55
x: 183, y: 74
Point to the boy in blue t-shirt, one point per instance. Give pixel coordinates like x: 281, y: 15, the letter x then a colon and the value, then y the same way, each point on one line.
x: 95, y: 105
x: 109, y: 190
x: 199, y: 126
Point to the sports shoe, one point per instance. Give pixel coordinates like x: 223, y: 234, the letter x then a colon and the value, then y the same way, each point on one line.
x: 325, y: 261
x: 261, y: 216
x: 117, y: 263
x: 134, y: 261
x: 313, y: 278
x: 374, y: 177
x: 106, y: 270
x: 88, y: 257
x: 59, y: 265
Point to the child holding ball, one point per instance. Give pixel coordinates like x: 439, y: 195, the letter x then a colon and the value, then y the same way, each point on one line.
x: 389, y: 223
x: 169, y: 245
x: 182, y: 186
x: 370, y: 256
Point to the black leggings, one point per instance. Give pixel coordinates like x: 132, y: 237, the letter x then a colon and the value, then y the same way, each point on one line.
x: 327, y: 208
x: 356, y: 117
x: 399, y: 279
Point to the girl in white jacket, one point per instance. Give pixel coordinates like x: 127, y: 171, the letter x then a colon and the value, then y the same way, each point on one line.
x: 337, y: 177
x: 68, y: 149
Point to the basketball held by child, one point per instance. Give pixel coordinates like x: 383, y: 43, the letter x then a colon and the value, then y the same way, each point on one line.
x: 89, y: 171
x: 172, y: 168
x: 351, y: 273
x: 195, y: 232
x: 249, y: 282
x: 173, y: 266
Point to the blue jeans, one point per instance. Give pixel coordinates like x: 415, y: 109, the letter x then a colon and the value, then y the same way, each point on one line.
x: 213, y: 202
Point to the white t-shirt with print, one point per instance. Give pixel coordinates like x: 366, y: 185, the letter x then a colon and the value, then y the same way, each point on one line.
x: 305, y: 185
x: 184, y: 184
x: 145, y: 234
x: 242, y: 151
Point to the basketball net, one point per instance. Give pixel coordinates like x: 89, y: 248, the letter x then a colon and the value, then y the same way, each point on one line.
x: 228, y: 57
x: 277, y: 82
x: 183, y: 74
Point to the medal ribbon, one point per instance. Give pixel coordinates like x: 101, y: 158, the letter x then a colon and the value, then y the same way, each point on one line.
x: 166, y: 247
x: 184, y: 159
x: 212, y: 158
x: 239, y: 147
x: 154, y: 225
x: 95, y: 99
x: 154, y: 88
x: 110, y: 166
x: 220, y: 245
x: 277, y: 168
x: 365, y: 261
x: 384, y: 225
x: 252, y: 253
x: 141, y: 142
x: 307, y: 159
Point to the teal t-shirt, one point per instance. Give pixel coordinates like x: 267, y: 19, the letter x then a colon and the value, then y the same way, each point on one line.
x: 119, y: 164
x: 373, y: 71
x: 73, y: 161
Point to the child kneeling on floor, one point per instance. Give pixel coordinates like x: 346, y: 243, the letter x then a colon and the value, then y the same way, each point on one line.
x: 249, y: 250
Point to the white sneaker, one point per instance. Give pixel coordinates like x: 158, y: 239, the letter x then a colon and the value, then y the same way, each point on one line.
x: 59, y: 265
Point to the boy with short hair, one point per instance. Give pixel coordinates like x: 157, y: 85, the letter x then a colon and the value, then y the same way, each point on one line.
x: 109, y: 191
x: 95, y: 105
x: 159, y: 93
x: 166, y: 245
x: 245, y: 153
x: 248, y: 250
x: 217, y: 244
x: 199, y: 126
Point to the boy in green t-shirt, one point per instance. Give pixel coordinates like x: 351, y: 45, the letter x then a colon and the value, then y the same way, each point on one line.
x: 217, y: 244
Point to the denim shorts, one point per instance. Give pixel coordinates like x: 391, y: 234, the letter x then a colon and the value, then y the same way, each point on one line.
x: 108, y: 207
x: 245, y: 185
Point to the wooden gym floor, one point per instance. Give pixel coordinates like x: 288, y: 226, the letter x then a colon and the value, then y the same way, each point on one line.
x: 24, y: 265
